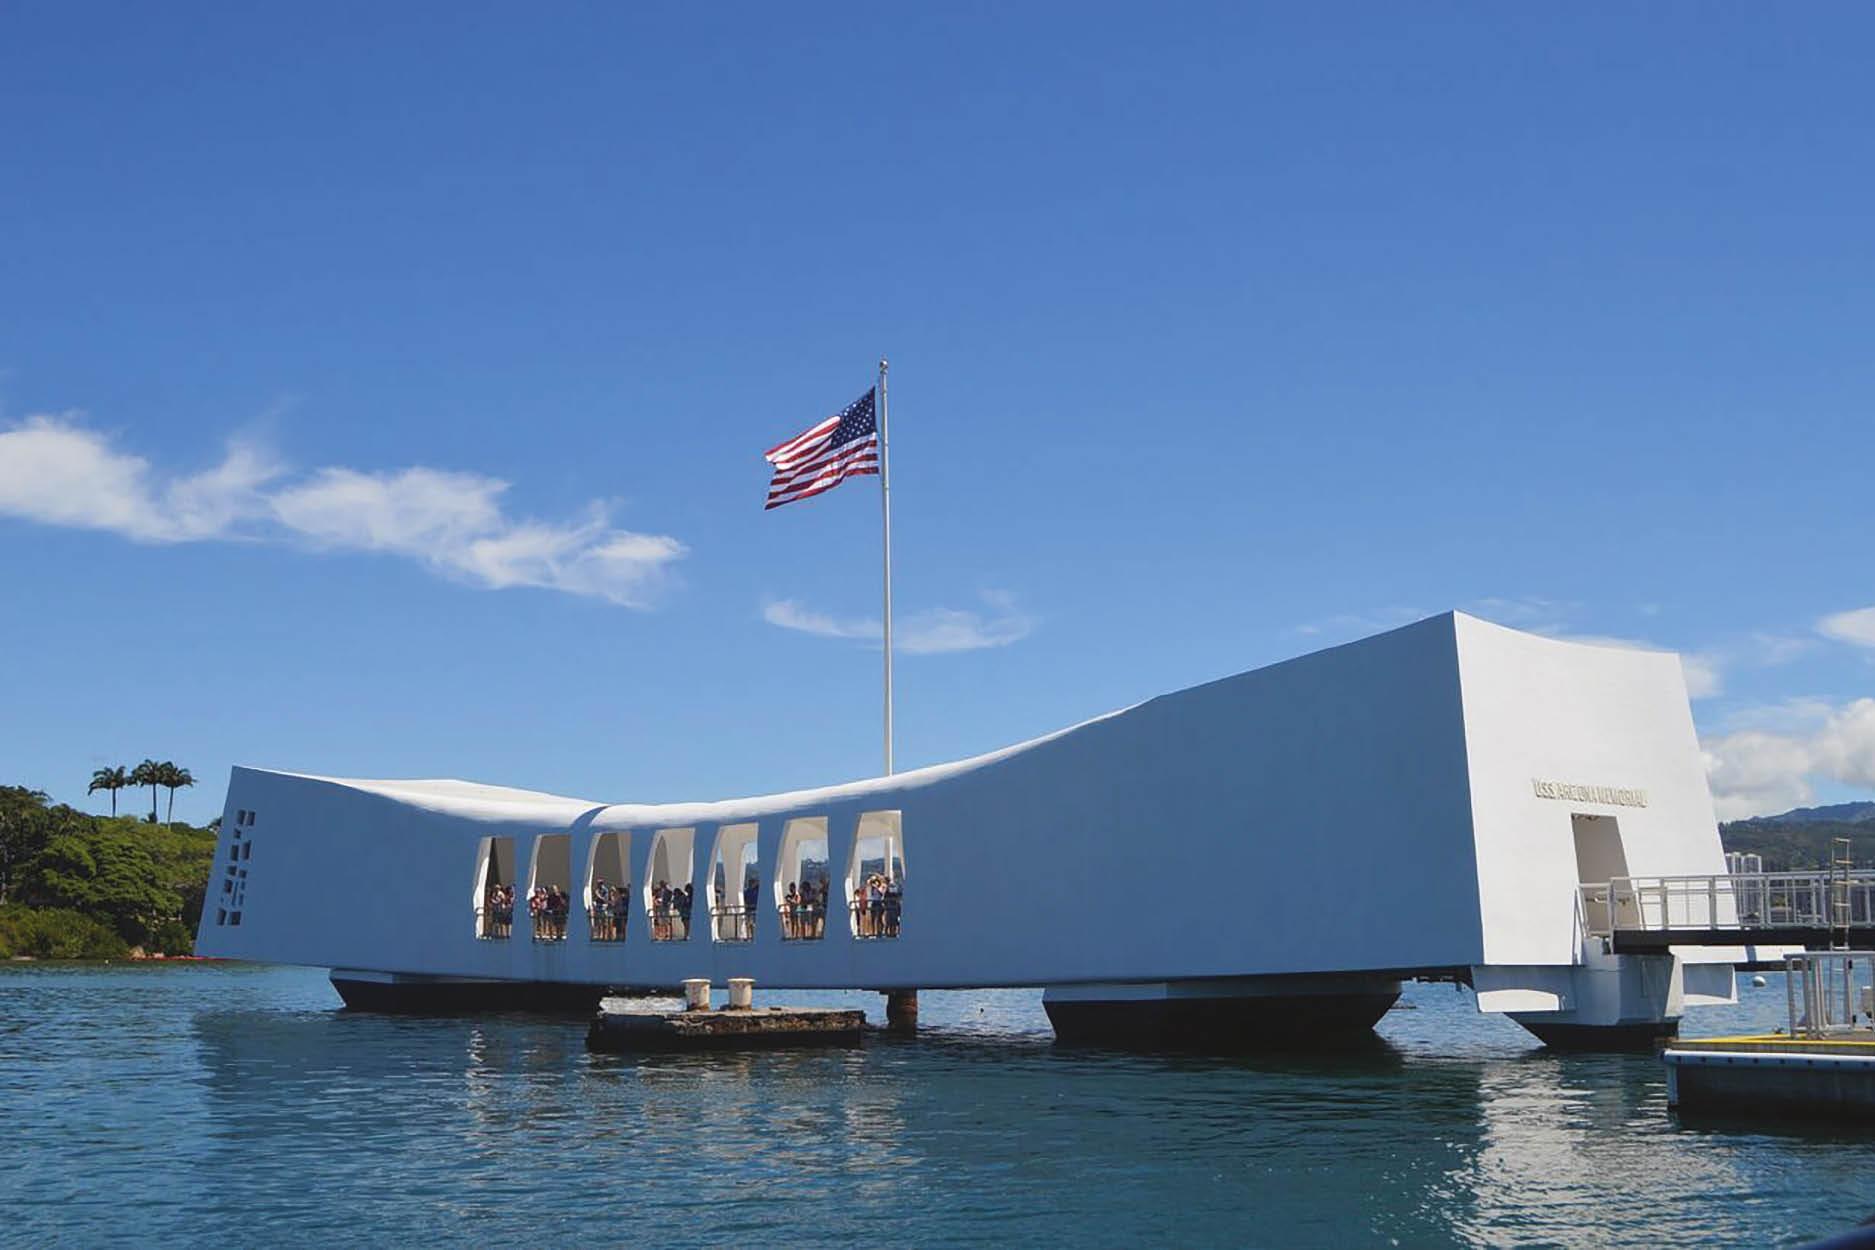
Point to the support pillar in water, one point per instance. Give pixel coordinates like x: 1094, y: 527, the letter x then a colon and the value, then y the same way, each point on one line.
x: 901, y: 1011
x: 1607, y: 1002
x: 1230, y: 1013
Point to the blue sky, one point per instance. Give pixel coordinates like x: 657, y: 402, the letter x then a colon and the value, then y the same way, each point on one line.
x: 382, y: 390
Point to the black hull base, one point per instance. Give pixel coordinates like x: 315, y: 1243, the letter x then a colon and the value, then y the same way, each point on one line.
x: 1604, y: 1037
x: 1262, y: 1022
x: 449, y: 998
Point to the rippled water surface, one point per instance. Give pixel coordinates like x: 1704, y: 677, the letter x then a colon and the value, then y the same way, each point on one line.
x: 235, y: 1104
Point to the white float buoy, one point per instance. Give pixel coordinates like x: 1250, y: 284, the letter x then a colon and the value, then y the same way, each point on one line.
x: 1757, y: 981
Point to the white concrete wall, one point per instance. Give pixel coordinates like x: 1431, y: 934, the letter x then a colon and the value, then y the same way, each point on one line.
x: 1307, y: 817
x: 1542, y: 709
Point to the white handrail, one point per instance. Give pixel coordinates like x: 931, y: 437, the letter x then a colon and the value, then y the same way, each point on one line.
x: 1731, y: 901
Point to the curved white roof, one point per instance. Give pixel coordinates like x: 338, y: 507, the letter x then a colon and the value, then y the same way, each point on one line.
x: 475, y: 800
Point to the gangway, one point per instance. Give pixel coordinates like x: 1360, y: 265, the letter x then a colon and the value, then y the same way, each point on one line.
x: 1647, y: 915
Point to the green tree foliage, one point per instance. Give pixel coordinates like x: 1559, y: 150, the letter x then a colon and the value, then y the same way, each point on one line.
x: 106, y: 873
x: 46, y: 934
x: 24, y: 831
x: 148, y: 773
x: 144, y: 886
x: 112, y: 779
x: 1799, y: 846
x: 173, y: 779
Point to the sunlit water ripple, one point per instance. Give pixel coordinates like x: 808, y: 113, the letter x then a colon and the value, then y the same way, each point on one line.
x: 236, y: 1103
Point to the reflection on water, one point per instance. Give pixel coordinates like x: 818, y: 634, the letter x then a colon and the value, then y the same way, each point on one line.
x: 232, y: 1102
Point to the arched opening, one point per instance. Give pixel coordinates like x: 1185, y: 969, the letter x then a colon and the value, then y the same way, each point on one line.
x: 608, y: 887
x: 547, y: 883
x: 668, y: 890
x: 802, y: 879
x: 735, y: 886
x: 493, y: 893
x: 875, y: 877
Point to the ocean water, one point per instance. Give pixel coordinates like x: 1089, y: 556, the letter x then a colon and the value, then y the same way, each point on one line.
x: 235, y: 1105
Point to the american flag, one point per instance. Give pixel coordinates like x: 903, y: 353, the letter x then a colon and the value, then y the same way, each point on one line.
x: 826, y: 454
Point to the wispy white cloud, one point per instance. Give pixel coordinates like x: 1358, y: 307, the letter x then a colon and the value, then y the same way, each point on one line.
x: 1345, y: 625
x: 1767, y: 650
x: 1856, y: 627
x: 1704, y: 670
x: 1756, y: 770
x: 56, y: 471
x: 1529, y: 612
x: 932, y: 631
x: 937, y: 630
x: 1704, y: 676
x: 793, y: 614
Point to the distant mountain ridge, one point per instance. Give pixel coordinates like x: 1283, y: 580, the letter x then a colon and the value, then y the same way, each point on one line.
x: 1802, y: 837
x: 1841, y: 813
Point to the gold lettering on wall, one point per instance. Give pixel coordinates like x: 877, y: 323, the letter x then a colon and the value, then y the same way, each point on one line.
x: 1616, y: 796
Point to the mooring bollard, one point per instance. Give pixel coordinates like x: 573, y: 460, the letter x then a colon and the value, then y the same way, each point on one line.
x: 697, y: 994
x: 741, y: 993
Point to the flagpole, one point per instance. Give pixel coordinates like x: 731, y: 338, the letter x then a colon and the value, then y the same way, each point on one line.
x: 885, y: 504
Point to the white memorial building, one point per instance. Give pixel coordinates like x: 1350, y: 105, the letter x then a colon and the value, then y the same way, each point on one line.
x: 1264, y: 856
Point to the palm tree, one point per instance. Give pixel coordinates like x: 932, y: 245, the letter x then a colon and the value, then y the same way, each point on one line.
x: 148, y: 774
x: 112, y: 779
x: 174, y: 779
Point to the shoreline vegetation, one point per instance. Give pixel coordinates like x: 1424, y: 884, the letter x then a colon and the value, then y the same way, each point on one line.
x: 78, y: 886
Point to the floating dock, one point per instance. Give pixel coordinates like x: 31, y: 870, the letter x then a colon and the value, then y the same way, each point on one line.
x: 1772, y: 1073
x: 1823, y: 1065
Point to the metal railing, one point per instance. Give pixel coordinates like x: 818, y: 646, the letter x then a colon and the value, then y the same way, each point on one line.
x: 1730, y: 901
x: 494, y: 924
x: 605, y: 924
x: 733, y: 923
x: 1821, y: 994
x: 669, y: 923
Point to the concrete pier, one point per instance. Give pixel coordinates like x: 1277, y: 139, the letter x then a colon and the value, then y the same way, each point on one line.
x: 744, y: 1029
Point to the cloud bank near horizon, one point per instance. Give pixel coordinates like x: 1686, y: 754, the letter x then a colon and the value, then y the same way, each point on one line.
x: 1770, y: 767
x: 54, y: 470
